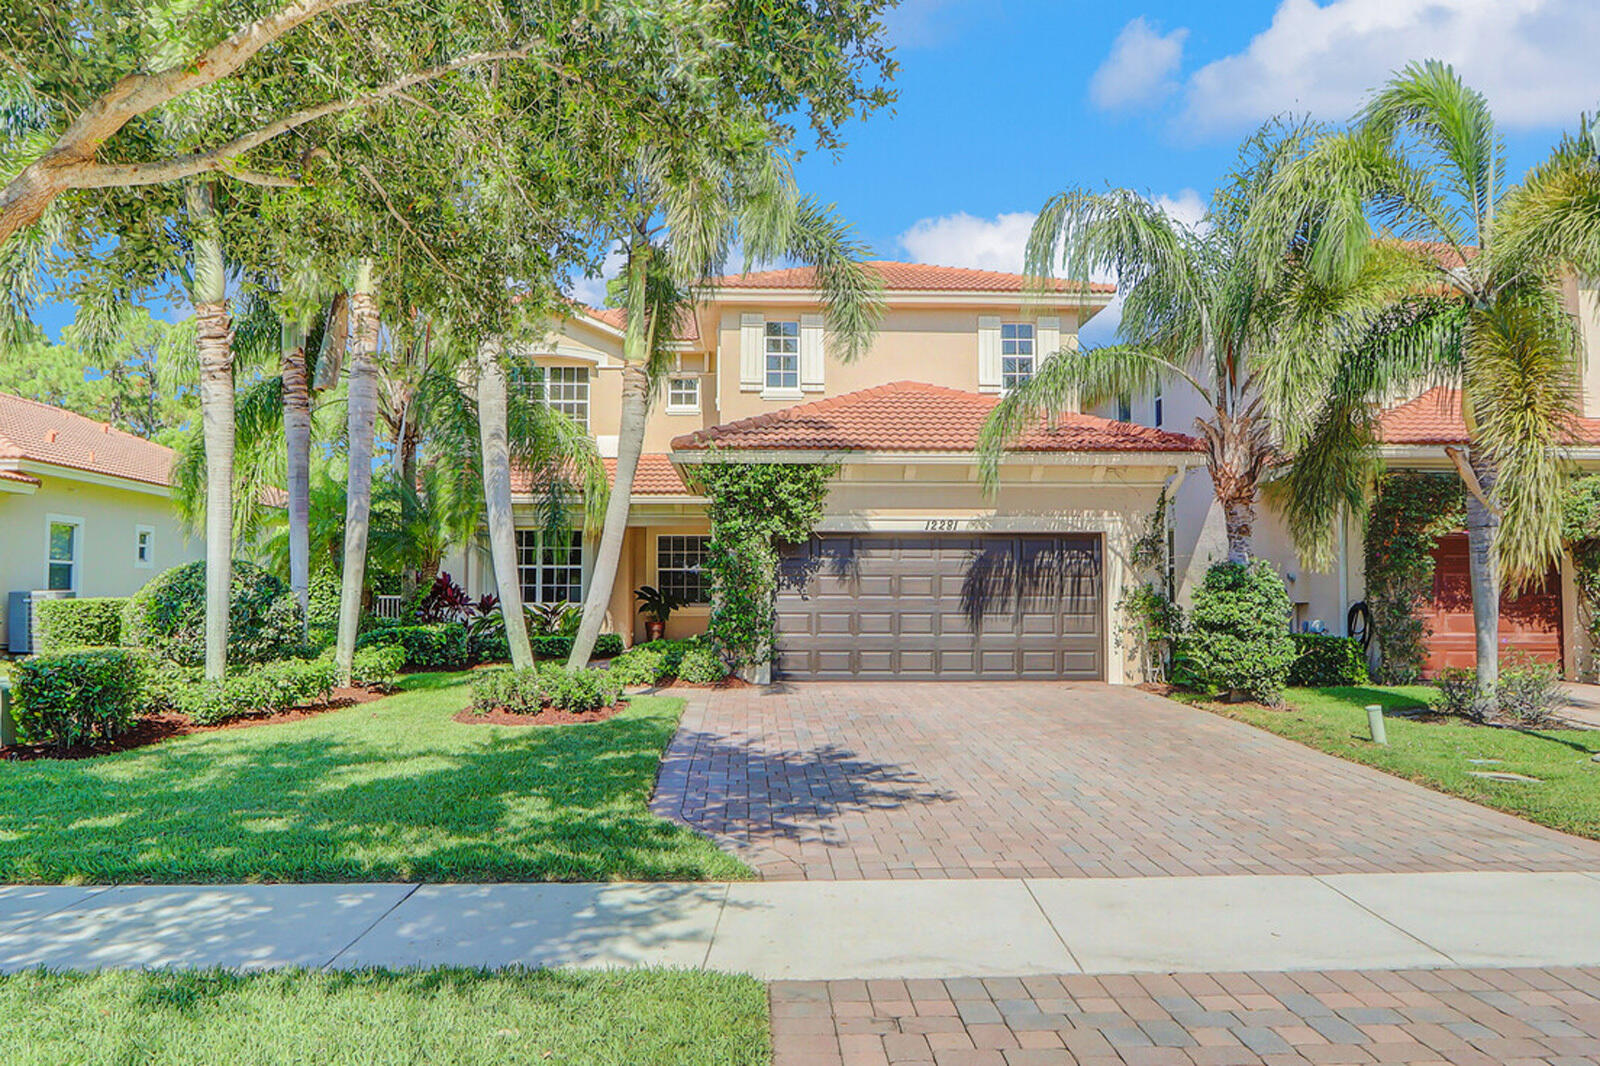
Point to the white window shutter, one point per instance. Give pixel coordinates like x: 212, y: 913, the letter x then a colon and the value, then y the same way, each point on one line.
x: 1047, y: 337
x: 811, y: 354
x: 751, y: 350
x: 988, y: 353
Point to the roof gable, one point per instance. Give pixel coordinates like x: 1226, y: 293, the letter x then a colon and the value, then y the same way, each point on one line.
x: 37, y: 432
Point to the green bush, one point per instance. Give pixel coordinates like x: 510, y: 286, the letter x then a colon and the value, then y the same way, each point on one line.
x: 168, y: 615
x: 93, y: 622
x: 1529, y: 692
x: 377, y: 667
x: 75, y: 697
x: 702, y: 665
x: 549, y: 684
x: 269, y: 689
x: 1459, y: 694
x: 434, y: 647
x: 643, y: 664
x: 1238, y: 637
x: 607, y: 646
x: 1322, y: 660
x: 559, y: 646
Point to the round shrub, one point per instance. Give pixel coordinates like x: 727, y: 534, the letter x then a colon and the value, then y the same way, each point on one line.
x: 77, y: 697
x: 1238, y: 638
x: 642, y: 665
x: 702, y: 665
x: 168, y: 615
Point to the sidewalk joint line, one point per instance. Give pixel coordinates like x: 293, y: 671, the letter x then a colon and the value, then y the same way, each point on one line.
x: 95, y: 891
x: 410, y: 891
x: 716, y: 927
x: 1027, y: 884
x: 1320, y: 879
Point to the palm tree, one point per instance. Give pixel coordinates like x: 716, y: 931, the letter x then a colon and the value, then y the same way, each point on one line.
x: 492, y: 436
x: 1198, y: 308
x: 361, y: 406
x: 209, y: 291
x: 1422, y: 170
x: 686, y: 215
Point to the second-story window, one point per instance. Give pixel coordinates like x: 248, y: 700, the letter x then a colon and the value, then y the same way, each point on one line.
x: 566, y: 389
x: 783, y: 357
x: 683, y: 395
x: 1016, y: 354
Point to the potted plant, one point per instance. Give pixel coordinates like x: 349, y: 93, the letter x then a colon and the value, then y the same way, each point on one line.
x: 657, y: 607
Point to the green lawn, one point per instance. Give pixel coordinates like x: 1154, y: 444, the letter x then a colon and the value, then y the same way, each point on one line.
x: 637, y: 1018
x: 1436, y: 753
x: 391, y: 790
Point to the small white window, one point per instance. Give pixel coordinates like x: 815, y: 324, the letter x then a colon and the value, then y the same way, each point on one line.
x: 66, y: 546
x: 683, y: 395
x: 550, y: 572
x: 680, y: 567
x: 783, y: 357
x: 1016, y: 354
x: 144, y: 547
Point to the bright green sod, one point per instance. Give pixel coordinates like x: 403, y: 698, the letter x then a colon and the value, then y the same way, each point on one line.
x: 639, y: 1018
x: 385, y: 791
x: 1436, y: 753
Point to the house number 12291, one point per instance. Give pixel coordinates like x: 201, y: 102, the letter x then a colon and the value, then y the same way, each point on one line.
x: 941, y: 525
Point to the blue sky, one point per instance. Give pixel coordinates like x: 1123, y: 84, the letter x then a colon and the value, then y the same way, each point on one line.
x: 1004, y: 102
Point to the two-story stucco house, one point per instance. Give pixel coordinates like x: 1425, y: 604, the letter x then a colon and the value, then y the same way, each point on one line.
x: 84, y: 507
x: 915, y: 569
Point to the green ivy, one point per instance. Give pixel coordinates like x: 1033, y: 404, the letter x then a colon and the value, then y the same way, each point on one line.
x: 754, y: 508
x: 1409, y: 515
x: 1580, y: 531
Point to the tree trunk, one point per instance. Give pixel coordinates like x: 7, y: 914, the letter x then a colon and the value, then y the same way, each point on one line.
x: 362, y: 405
x: 1483, y: 569
x: 214, y: 339
x: 630, y: 442
x: 492, y: 436
x: 297, y: 437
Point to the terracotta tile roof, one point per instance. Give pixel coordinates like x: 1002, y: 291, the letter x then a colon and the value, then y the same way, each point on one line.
x: 1447, y: 255
x: 906, y: 277
x: 1435, y: 418
x: 687, y: 332
x: 19, y: 476
x: 656, y: 476
x: 43, y: 434
x: 909, y: 416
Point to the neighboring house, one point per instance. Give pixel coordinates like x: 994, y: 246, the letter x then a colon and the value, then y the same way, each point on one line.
x: 84, y: 507
x: 915, y: 571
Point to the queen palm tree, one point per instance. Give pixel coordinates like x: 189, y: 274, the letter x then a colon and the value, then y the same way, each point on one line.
x: 687, y: 212
x: 1199, y: 308
x: 1420, y: 176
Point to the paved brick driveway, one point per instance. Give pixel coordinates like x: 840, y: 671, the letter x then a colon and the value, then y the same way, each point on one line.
x: 1437, y: 1017
x: 1029, y: 779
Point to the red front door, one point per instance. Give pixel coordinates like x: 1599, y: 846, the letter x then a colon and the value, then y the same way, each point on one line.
x: 1530, y: 623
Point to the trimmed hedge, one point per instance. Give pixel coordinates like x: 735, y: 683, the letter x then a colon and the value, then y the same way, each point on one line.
x: 1238, y: 639
x: 528, y: 691
x: 76, y: 697
x: 168, y: 615
x: 1323, y: 660
x: 377, y: 667
x: 559, y: 646
x: 434, y: 647
x: 269, y: 689
x: 92, y: 622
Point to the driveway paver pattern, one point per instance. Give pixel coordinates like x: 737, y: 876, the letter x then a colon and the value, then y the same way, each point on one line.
x: 1549, y: 1017
x: 1019, y: 779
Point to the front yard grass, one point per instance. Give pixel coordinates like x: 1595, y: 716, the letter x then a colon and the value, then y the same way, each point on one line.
x: 385, y: 791
x: 658, y: 1018
x: 1435, y: 753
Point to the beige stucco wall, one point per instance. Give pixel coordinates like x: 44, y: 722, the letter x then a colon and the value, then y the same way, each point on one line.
x: 106, y: 556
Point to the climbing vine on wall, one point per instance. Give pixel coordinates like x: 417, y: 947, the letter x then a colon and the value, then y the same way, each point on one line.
x: 1409, y: 515
x: 755, y: 508
x: 1580, y: 531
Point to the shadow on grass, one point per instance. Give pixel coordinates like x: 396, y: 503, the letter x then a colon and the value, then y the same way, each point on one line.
x: 385, y: 791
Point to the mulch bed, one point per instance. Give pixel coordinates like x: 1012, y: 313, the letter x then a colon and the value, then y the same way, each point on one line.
x: 546, y: 716
x: 728, y: 682
x: 154, y: 728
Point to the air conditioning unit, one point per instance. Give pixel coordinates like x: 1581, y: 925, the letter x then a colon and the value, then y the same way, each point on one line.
x: 20, y: 617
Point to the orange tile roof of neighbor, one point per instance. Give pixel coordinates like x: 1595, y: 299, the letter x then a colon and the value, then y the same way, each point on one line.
x: 39, y: 433
x: 656, y: 476
x: 909, y: 416
x: 687, y: 332
x: 1435, y: 418
x: 907, y: 277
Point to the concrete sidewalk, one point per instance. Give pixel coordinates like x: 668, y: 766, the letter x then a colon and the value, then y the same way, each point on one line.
x: 827, y: 931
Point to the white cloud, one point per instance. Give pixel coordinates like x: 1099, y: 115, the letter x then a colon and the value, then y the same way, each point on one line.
x: 592, y: 290
x: 1534, y: 59
x: 963, y: 240
x: 1140, y: 68
x: 1000, y: 243
x: 924, y: 23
